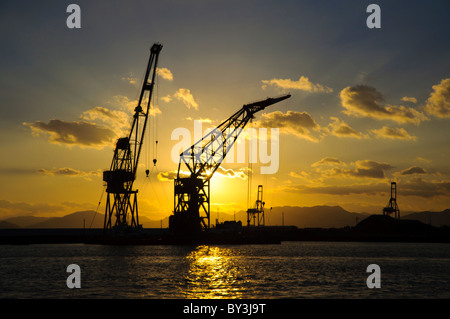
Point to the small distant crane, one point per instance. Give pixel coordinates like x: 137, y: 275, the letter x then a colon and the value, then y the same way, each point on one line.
x: 202, y: 159
x: 392, y: 207
x: 255, y: 215
x: 121, y: 211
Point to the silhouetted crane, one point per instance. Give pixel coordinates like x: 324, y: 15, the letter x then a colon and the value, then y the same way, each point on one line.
x: 201, y: 160
x: 392, y: 207
x: 121, y: 202
x: 255, y: 214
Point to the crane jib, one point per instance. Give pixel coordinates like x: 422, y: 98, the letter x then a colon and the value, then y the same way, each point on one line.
x: 202, y: 159
x: 121, y: 205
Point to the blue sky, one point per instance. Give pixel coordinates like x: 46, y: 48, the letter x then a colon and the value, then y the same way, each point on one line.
x: 222, y: 51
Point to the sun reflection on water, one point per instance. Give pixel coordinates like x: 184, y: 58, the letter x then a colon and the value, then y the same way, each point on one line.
x: 214, y: 272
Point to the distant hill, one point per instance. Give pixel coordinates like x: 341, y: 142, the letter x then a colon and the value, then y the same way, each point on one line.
x: 74, y: 220
x: 332, y: 217
x: 26, y: 221
x: 436, y: 219
x: 387, y: 224
x: 87, y: 219
x: 5, y: 224
x: 302, y: 217
x: 313, y: 217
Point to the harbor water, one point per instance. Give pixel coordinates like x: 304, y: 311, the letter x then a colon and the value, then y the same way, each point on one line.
x: 336, y: 270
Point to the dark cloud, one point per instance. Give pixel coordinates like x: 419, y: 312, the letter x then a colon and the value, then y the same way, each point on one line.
x: 364, y: 169
x: 74, y: 133
x: 370, y: 169
x: 67, y: 171
x: 8, y: 209
x: 328, y: 161
x: 230, y: 173
x: 413, y: 170
x: 169, y: 176
x: 370, y: 189
x: 299, y: 124
x: 366, y: 101
x: 393, y: 133
x: 416, y: 186
x: 341, y: 129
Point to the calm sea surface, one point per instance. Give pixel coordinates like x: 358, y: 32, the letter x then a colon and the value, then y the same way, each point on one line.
x: 289, y: 270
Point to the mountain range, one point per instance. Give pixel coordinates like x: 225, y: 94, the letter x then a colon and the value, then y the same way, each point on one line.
x: 302, y: 217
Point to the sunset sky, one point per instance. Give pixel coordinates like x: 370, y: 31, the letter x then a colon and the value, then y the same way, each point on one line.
x: 368, y: 106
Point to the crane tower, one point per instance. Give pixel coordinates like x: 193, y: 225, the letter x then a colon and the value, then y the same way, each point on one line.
x: 201, y: 160
x: 256, y: 214
x: 392, y: 207
x: 121, y: 211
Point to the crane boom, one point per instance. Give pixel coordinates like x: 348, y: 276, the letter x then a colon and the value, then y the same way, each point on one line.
x: 205, y: 156
x: 122, y: 173
x: 202, y: 159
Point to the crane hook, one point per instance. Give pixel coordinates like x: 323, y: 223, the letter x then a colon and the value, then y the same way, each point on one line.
x: 155, y: 160
x: 147, y: 172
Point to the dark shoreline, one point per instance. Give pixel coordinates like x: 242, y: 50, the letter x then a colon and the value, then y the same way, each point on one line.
x: 261, y: 235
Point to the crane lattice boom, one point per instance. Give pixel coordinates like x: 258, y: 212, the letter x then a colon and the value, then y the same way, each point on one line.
x: 202, y: 159
x: 121, y: 202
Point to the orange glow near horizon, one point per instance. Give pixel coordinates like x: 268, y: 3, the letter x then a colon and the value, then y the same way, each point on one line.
x: 352, y: 125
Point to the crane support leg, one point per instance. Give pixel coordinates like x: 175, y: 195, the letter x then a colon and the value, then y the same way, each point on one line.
x: 192, y: 205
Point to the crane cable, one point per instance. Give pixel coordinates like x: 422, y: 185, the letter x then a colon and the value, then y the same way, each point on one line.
x: 104, y: 187
x: 98, y: 206
x: 153, y: 131
x: 249, y: 170
x: 154, y: 141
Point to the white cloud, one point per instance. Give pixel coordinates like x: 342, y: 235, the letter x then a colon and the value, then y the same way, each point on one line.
x: 438, y: 104
x: 167, y: 98
x: 303, y: 84
x: 185, y: 96
x: 409, y: 99
x: 230, y: 173
x: 118, y: 120
x: 129, y: 105
x: 165, y: 73
x: 130, y: 78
